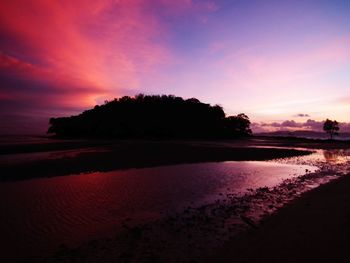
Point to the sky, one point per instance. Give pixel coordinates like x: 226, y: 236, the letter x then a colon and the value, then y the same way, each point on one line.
x: 285, y: 63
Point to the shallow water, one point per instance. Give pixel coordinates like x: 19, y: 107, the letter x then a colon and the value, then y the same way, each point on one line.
x: 38, y: 215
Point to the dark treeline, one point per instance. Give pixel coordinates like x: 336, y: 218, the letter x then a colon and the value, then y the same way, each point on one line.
x: 152, y: 117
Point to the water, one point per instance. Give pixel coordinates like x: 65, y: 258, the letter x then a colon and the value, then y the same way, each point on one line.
x: 39, y: 215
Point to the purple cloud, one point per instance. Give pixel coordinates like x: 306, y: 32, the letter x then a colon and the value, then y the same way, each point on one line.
x: 291, y: 125
x: 302, y: 115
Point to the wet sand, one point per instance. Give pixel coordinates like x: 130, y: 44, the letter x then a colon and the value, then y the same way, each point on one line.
x: 313, y: 228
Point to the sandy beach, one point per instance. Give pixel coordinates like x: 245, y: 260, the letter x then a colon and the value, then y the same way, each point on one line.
x: 313, y: 228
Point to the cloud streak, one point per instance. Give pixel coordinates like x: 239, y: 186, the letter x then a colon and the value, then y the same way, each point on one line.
x: 302, y: 115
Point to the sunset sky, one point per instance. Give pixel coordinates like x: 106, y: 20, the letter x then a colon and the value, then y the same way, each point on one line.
x: 285, y: 63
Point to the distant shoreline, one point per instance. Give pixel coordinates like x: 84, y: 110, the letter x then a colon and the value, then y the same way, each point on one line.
x: 42, y: 143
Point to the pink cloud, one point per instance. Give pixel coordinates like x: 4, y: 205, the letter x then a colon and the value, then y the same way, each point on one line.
x: 24, y: 81
x: 102, y: 43
x: 107, y: 44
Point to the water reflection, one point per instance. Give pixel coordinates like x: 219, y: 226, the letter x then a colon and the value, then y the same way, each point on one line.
x: 336, y: 155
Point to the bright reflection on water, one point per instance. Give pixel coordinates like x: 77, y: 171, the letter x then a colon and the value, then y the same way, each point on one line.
x: 38, y: 215
x: 336, y: 155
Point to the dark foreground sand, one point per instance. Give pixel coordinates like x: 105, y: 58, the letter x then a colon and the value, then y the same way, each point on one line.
x: 313, y: 228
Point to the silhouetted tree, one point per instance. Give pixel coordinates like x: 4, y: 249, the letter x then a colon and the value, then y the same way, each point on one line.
x: 331, y: 127
x: 238, y: 125
x: 165, y: 116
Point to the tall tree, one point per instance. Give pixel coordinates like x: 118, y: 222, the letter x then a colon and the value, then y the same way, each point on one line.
x: 331, y: 127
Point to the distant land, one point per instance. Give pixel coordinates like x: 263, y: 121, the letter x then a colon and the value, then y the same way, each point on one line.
x: 305, y: 134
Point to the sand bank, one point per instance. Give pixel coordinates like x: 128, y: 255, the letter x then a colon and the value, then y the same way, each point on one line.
x: 313, y: 228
